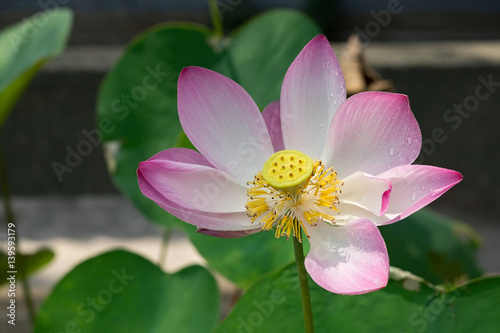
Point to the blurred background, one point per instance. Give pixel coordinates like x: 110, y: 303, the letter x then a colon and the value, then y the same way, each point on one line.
x: 117, y: 21
x: 437, y: 52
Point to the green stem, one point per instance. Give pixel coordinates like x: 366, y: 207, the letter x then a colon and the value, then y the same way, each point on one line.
x: 167, y: 234
x: 304, y: 285
x: 218, y: 41
x: 9, y: 218
x: 28, y: 299
x: 9, y: 214
x: 216, y: 18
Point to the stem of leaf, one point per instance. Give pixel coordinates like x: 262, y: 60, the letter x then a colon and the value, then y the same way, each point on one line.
x: 9, y: 218
x: 216, y: 18
x: 304, y: 285
x: 167, y: 234
x: 9, y: 214
x: 219, y: 42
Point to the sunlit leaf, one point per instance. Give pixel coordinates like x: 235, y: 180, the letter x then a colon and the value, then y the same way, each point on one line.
x: 122, y: 292
x: 26, y: 46
x: 407, y: 304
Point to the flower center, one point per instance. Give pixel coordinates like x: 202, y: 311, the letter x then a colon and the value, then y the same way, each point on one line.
x: 287, y: 168
x: 291, y: 190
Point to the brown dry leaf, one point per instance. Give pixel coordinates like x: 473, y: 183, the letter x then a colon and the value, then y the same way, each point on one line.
x: 358, y: 75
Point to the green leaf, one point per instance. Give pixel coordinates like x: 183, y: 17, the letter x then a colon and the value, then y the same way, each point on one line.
x: 262, y: 50
x: 407, y: 304
x: 137, y: 106
x: 26, y: 46
x: 26, y: 264
x: 122, y: 292
x: 244, y: 260
x: 433, y: 246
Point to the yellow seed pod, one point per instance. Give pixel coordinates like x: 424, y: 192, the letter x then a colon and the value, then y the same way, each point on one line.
x: 287, y: 168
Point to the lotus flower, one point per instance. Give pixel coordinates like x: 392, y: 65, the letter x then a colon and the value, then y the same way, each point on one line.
x: 313, y: 163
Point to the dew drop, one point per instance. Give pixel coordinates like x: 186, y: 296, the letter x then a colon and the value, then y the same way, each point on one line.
x: 413, y: 197
x: 408, y: 141
x: 391, y: 151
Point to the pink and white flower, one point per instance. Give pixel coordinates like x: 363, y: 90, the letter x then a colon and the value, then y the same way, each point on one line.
x: 358, y: 175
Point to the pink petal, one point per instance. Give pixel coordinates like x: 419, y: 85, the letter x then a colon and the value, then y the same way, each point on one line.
x: 194, y: 186
x: 183, y: 155
x: 312, y: 91
x: 350, y: 259
x: 271, y: 115
x: 223, y: 122
x: 186, y: 178
x: 367, y: 192
x: 215, y: 221
x: 372, y: 132
x: 415, y: 186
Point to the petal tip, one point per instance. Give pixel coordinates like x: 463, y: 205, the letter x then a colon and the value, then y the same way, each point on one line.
x: 458, y: 175
x: 320, y: 39
x: 185, y: 71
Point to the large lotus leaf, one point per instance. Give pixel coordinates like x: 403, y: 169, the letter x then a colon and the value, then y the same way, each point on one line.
x: 407, y: 304
x: 120, y: 291
x: 433, y: 246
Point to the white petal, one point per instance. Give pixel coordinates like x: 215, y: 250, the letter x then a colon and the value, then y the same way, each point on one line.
x: 367, y: 192
x: 312, y: 91
x: 223, y: 122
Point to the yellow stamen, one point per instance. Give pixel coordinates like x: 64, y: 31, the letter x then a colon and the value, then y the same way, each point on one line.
x: 303, y: 193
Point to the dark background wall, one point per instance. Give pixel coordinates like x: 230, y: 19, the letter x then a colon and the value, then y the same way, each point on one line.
x: 117, y: 21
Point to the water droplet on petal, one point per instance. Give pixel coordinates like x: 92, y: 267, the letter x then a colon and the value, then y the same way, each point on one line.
x: 391, y: 151
x: 413, y: 197
x: 408, y: 141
